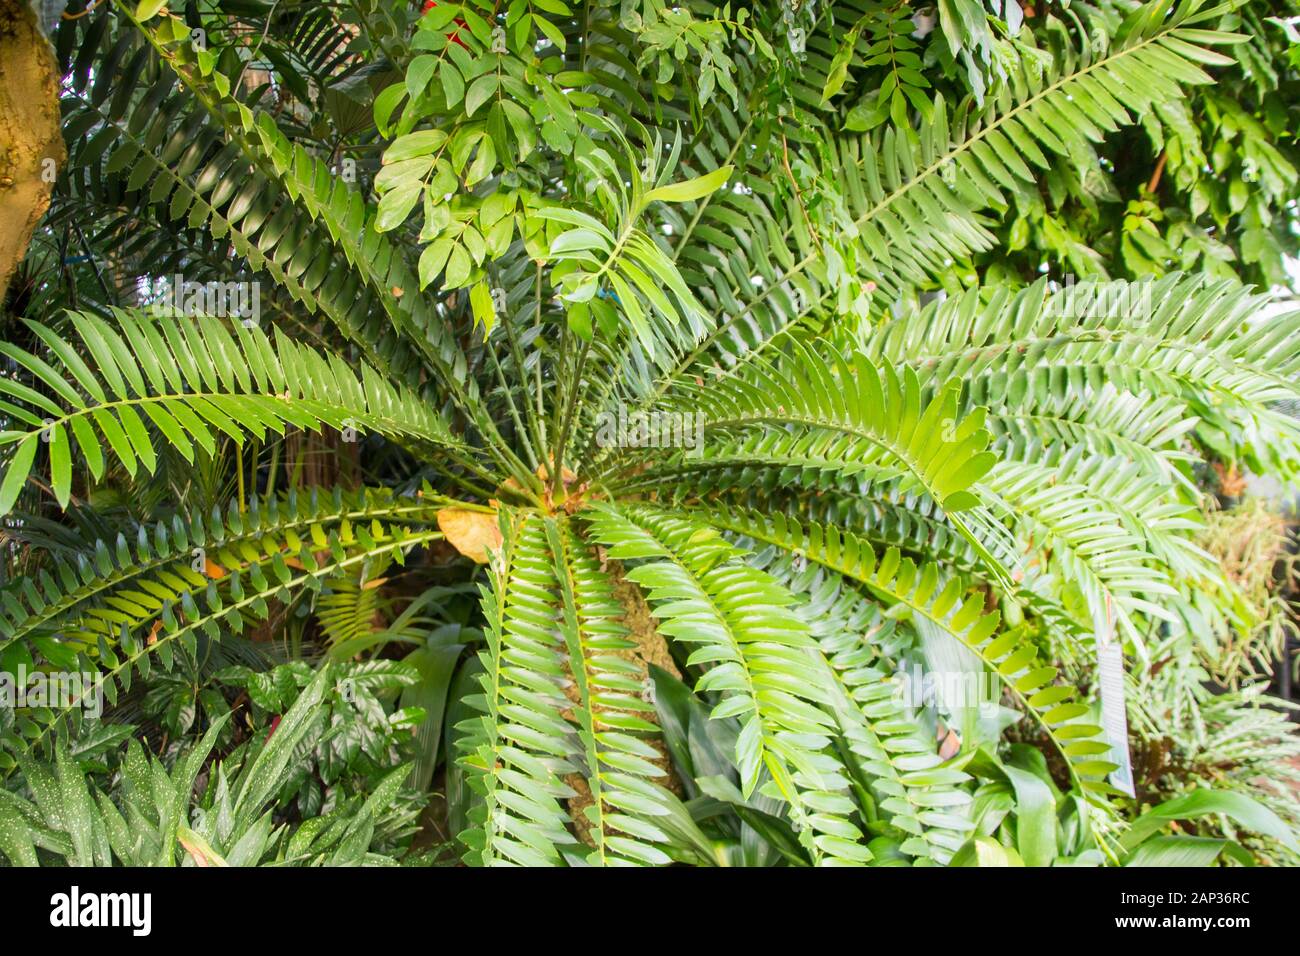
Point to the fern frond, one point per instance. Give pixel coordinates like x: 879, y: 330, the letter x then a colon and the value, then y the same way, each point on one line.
x: 897, y: 580
x: 173, y: 548
x: 741, y: 622
x: 916, y: 199
x: 191, y: 379
x: 518, y: 752
x: 620, y: 769
x: 348, y: 607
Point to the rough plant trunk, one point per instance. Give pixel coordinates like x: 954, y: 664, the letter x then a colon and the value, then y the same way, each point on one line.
x: 31, y: 145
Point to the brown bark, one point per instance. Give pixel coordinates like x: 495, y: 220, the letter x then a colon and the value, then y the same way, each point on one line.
x: 31, y: 144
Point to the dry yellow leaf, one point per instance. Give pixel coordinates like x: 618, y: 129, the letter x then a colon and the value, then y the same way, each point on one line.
x: 950, y: 746
x: 200, y: 852
x: 470, y: 532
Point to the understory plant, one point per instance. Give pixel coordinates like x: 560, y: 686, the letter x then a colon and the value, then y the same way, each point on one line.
x: 642, y: 434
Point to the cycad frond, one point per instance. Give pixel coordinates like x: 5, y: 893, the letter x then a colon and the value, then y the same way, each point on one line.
x: 897, y: 580
x: 519, y: 750
x: 765, y: 666
x: 154, y: 144
x: 915, y: 197
x: 215, y: 542
x: 879, y: 414
x: 621, y: 773
x: 192, y: 380
x: 1178, y: 336
x: 725, y: 384
x: 169, y: 617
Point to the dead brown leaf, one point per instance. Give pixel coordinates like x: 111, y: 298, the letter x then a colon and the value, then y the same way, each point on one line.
x: 470, y: 532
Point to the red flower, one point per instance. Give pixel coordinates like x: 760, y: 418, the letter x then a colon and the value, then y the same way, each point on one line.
x: 454, y: 36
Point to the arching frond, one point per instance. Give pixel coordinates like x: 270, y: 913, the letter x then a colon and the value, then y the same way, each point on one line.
x: 921, y: 590
x: 152, y: 143
x: 876, y: 415
x: 519, y: 750
x: 621, y: 769
x: 197, y: 547
x: 192, y: 380
x: 915, y: 197
x: 168, y: 618
x: 739, y: 621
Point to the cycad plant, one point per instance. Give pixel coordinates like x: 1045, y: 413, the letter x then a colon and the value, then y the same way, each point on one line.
x: 631, y: 312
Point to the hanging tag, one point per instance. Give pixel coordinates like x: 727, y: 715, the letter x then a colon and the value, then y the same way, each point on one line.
x: 1114, y: 720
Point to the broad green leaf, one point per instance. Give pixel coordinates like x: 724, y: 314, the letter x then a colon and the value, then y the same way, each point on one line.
x: 19, y: 467
x: 1244, y: 811
x: 690, y: 189
x: 397, y: 204
x: 148, y: 9
x: 480, y: 297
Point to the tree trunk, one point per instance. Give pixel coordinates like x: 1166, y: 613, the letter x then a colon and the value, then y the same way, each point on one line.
x: 31, y: 144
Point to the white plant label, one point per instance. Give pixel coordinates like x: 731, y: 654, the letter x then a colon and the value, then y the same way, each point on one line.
x: 1114, y: 721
